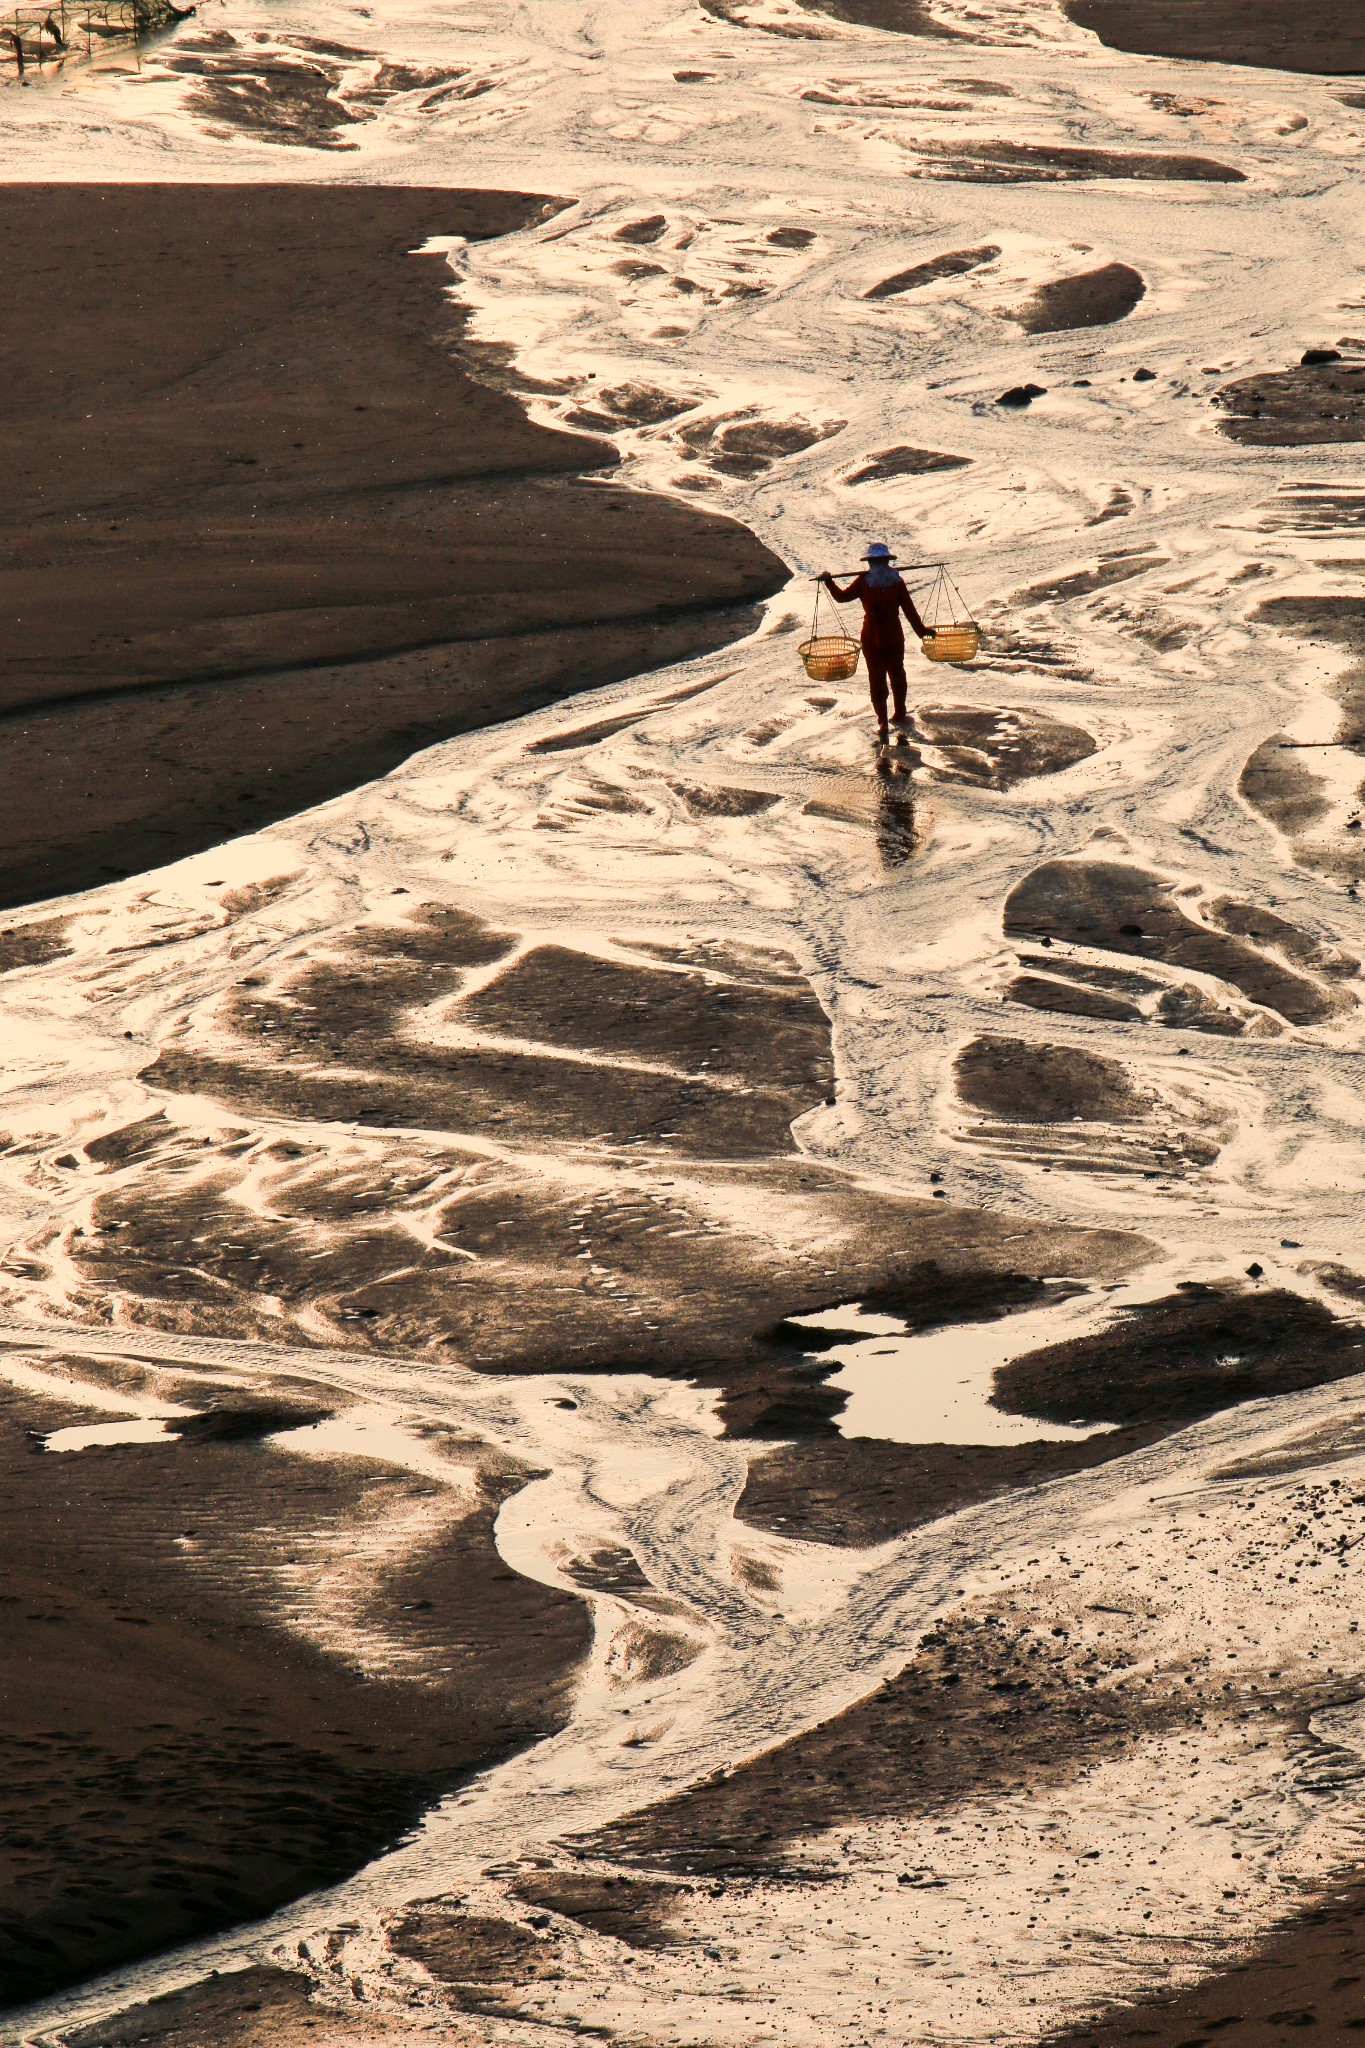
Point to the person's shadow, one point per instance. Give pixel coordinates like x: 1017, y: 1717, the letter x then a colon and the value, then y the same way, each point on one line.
x: 897, y: 837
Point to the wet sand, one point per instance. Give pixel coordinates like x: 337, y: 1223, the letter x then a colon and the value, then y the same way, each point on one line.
x: 857, y: 1491
x: 252, y: 2008
x: 260, y: 549
x: 1310, y: 1974
x: 178, y: 1753
x: 1321, y: 36
x: 979, y: 1707
x: 685, y: 1022
x: 1093, y: 298
x: 1309, y: 406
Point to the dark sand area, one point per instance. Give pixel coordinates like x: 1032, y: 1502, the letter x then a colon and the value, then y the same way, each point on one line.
x: 1047, y: 163
x: 1154, y: 1370
x: 983, y: 1707
x: 905, y: 17
x: 1307, y: 1975
x: 253, y: 2008
x: 1105, y: 904
x: 1309, y: 406
x: 992, y: 1702
x: 954, y: 263
x: 905, y: 461
x: 264, y: 531
x: 1321, y: 36
x: 176, y: 1754
x: 1093, y: 298
x: 856, y: 1491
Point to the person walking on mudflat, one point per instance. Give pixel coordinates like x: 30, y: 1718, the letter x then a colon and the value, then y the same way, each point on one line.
x: 884, y: 597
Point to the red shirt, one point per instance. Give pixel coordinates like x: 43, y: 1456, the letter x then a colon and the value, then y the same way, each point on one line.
x: 882, y: 608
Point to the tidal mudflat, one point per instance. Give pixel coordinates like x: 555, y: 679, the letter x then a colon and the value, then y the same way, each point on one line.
x: 664, y: 1377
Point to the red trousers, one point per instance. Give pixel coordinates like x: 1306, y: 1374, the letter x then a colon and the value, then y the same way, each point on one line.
x: 885, y: 665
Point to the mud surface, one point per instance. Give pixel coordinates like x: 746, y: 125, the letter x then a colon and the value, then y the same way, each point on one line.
x: 477, y: 1957
x: 1321, y: 36
x: 535, y: 1097
x: 335, y: 511
x: 995, y: 1700
x: 659, y: 1215
x: 711, y: 1069
x: 903, y: 461
x: 1094, y: 298
x: 1118, y: 568
x: 178, y: 1754
x: 1063, y: 1105
x: 1307, y: 407
x: 996, y: 749
x: 1309, y: 1974
x: 1187, y: 1356
x: 902, y: 17
x: 857, y: 1491
x: 1015, y: 1079
x: 1042, y: 163
x: 633, y: 1910
x: 1322, y: 824
x: 956, y: 263
x: 410, y: 1241
x: 1127, y: 910
x: 1040, y: 992
x: 987, y: 1704
x: 305, y: 92
x: 254, y: 2008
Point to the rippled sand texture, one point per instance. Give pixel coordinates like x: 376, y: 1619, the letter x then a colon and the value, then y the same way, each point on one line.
x: 598, y: 1103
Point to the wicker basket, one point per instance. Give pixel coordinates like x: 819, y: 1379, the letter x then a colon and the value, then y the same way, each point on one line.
x: 952, y: 643
x: 832, y: 658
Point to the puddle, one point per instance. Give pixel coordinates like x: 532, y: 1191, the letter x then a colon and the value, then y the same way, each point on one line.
x: 934, y: 1388
x: 84, y: 1437
x: 372, y: 1433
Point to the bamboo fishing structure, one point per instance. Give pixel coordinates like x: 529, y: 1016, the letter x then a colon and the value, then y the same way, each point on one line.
x: 46, y: 32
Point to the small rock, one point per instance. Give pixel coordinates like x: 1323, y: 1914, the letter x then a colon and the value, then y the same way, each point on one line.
x: 1255, y: 1270
x: 1313, y: 358
x: 1020, y: 395
x: 1080, y: 383
x: 1144, y: 376
x: 1290, y: 1244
